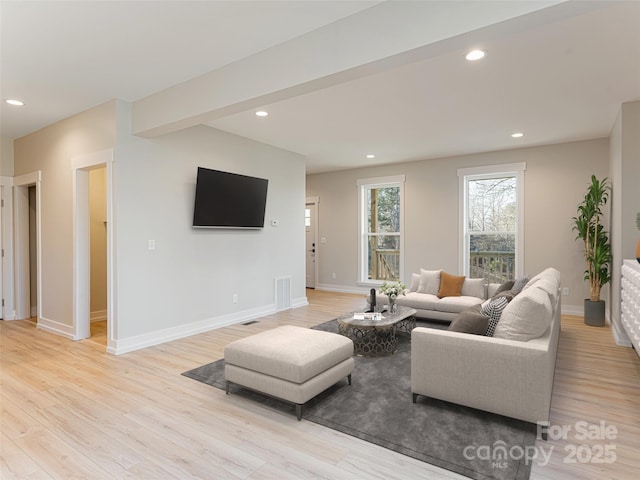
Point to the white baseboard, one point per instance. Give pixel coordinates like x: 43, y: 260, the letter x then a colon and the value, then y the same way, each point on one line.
x: 137, y: 342
x: 573, y: 310
x: 620, y: 336
x: 98, y: 315
x: 56, y: 327
x: 342, y: 289
x: 299, y: 302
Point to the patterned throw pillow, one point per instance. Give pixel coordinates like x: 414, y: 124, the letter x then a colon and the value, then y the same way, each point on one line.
x: 493, y: 309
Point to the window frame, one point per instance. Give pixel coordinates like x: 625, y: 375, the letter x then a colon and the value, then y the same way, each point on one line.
x: 363, y: 235
x: 465, y: 175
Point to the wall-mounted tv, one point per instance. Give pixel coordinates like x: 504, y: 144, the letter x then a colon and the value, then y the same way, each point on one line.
x: 229, y: 200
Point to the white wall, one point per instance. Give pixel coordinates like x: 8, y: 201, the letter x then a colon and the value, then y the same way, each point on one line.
x: 187, y: 283
x: 189, y: 280
x: 555, y: 181
x: 625, y: 177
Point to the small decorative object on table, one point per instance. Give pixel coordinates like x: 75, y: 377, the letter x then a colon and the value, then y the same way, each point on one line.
x: 392, y: 291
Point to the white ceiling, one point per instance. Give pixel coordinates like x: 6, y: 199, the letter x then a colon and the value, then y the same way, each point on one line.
x: 558, y: 81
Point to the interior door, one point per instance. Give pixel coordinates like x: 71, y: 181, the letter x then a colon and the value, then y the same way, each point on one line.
x: 310, y: 225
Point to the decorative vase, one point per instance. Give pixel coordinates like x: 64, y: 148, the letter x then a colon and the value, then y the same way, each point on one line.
x: 638, y: 251
x: 393, y: 306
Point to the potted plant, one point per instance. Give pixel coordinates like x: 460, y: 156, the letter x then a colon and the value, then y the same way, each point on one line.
x: 597, y: 249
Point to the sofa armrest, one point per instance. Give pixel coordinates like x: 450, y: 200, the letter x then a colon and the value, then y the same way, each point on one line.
x: 506, y: 377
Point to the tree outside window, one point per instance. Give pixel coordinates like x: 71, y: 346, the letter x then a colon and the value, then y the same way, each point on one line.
x: 381, y: 230
x: 492, y: 223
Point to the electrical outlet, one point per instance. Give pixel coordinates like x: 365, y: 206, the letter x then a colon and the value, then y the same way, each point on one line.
x: 565, y: 292
x: 333, y: 275
x: 235, y: 298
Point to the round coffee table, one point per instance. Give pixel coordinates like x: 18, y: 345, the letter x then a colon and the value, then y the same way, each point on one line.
x: 374, y: 338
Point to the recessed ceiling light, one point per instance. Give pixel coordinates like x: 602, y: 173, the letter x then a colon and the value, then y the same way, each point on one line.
x: 371, y: 155
x: 475, y: 55
x: 262, y: 113
x: 517, y: 135
x: 14, y: 102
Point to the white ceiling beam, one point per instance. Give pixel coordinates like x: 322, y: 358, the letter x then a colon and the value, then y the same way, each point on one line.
x: 381, y: 37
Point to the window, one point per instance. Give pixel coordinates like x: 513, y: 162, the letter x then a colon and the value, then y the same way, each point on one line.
x: 492, y: 218
x: 380, y: 229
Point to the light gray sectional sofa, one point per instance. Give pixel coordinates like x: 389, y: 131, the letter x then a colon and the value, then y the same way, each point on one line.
x: 422, y: 295
x: 510, y: 373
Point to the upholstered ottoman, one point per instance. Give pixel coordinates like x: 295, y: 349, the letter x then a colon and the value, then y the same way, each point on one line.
x: 291, y: 363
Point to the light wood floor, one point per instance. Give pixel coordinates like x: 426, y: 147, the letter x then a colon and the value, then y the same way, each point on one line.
x: 70, y: 410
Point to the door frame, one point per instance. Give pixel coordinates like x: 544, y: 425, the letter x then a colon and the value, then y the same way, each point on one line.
x: 314, y: 219
x: 81, y: 165
x: 21, y: 186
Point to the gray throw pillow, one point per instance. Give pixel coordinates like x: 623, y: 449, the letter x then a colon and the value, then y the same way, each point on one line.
x: 506, y: 286
x: 519, y: 284
x: 470, y: 322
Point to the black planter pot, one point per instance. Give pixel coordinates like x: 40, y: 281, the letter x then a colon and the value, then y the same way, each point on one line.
x: 594, y: 313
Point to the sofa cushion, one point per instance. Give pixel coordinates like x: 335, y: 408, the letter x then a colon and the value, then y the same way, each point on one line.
x: 419, y: 301
x: 470, y: 322
x: 456, y: 304
x: 289, y: 352
x: 450, y: 285
x: 429, y: 281
x: 493, y: 309
x: 473, y: 287
x: 526, y: 317
x: 547, y: 274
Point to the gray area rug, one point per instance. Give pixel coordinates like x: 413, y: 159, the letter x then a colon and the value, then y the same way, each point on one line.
x: 378, y: 408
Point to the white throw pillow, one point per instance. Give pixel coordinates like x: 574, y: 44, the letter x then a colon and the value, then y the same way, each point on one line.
x: 526, y: 317
x: 415, y: 282
x: 473, y: 287
x: 429, y: 281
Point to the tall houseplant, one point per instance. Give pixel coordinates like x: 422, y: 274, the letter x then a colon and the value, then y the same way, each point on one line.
x: 597, y: 249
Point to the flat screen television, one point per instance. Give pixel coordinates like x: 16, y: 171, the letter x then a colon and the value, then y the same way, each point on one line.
x: 229, y: 200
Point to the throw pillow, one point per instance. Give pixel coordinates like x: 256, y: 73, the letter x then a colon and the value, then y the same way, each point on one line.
x: 519, y: 284
x: 470, y: 322
x: 429, y: 281
x: 473, y: 287
x: 506, y: 286
x: 527, y: 317
x: 450, y: 285
x: 415, y: 282
x: 493, y: 309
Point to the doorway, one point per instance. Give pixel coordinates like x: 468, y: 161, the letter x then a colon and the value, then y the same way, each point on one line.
x: 27, y: 246
x: 311, y: 240
x: 101, y: 303
x: 98, y: 254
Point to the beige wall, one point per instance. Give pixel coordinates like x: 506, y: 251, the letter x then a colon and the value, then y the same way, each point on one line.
x: 555, y: 181
x: 98, y: 236
x: 50, y: 150
x: 6, y: 157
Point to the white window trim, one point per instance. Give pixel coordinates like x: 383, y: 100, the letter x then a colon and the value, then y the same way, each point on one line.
x: 490, y: 171
x: 377, y: 182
